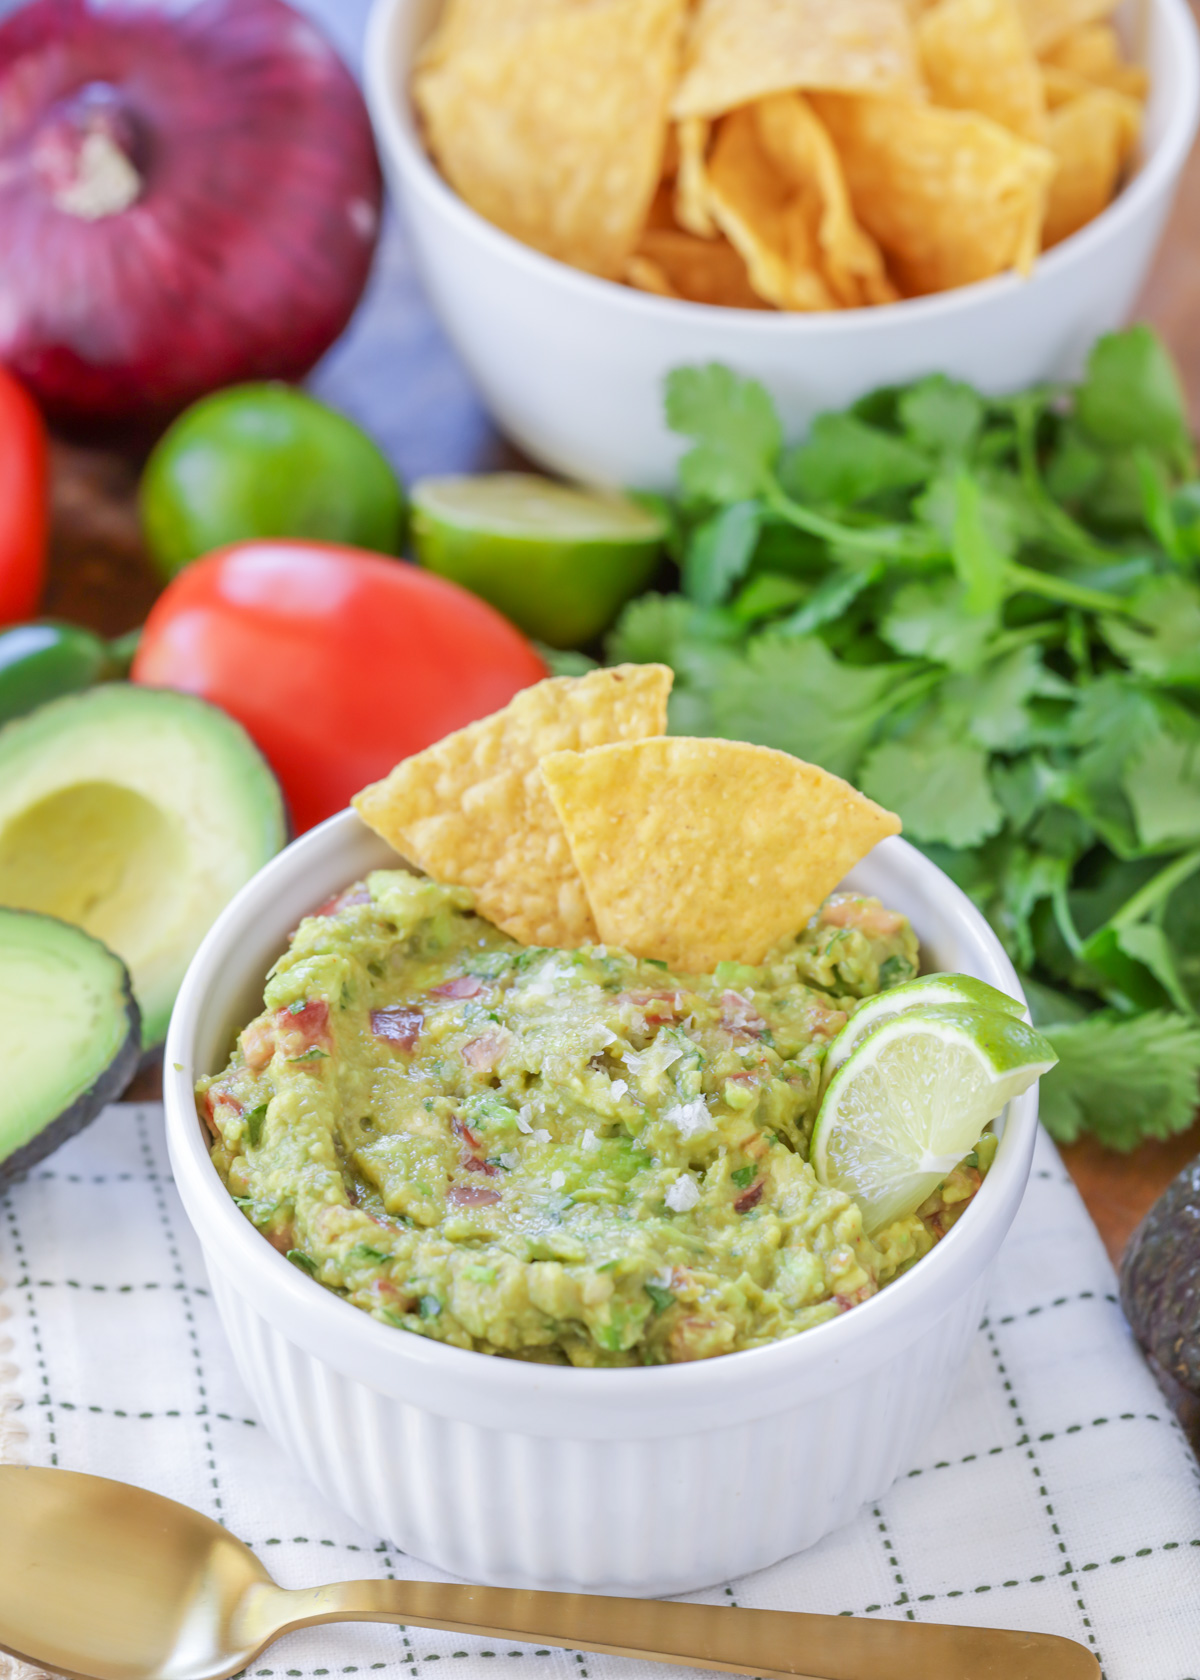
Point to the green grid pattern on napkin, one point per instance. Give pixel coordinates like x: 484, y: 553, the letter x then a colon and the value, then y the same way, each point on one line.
x: 1056, y: 1492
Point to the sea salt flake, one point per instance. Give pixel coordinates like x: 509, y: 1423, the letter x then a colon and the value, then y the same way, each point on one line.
x: 590, y: 1142
x: 524, y: 1124
x: 557, y: 1180
x: 690, y: 1118
x: 683, y: 1194
x: 541, y: 1135
x: 619, y: 1087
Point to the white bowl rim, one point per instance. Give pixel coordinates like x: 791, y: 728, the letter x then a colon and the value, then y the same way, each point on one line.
x: 230, y: 1238
x: 1153, y: 179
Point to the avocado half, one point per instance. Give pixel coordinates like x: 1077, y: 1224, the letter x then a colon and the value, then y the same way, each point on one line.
x: 70, y: 1031
x: 136, y: 814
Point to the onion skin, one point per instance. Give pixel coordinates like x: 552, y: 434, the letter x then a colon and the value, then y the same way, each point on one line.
x: 189, y: 197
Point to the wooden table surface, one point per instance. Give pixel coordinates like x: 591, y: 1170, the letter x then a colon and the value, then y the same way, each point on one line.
x: 99, y: 575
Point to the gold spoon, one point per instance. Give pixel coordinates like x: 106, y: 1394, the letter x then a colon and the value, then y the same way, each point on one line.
x: 103, y: 1581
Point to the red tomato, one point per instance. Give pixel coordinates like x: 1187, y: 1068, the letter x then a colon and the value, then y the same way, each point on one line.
x: 24, y: 495
x: 338, y: 662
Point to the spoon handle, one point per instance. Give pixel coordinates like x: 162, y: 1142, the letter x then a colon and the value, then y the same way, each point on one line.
x: 776, y: 1644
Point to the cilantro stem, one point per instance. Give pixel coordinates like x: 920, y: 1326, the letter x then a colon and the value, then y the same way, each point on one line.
x: 1071, y: 536
x: 1009, y: 641
x: 1062, y: 589
x: 914, y: 689
x: 1065, y: 920
x: 1157, y: 889
x: 909, y: 544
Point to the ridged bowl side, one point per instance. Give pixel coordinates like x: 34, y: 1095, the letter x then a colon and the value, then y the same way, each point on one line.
x: 650, y: 1516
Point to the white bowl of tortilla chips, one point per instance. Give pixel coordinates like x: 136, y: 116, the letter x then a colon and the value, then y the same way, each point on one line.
x: 646, y: 1479
x: 563, y: 136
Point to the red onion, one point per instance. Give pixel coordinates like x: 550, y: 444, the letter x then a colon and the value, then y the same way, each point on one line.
x: 189, y: 197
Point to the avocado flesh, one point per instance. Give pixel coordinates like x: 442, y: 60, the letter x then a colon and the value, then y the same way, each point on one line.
x: 70, y: 1032
x: 135, y: 813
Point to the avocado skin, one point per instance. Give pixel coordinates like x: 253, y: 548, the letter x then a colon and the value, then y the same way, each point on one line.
x: 1160, y: 1281
x: 87, y: 1105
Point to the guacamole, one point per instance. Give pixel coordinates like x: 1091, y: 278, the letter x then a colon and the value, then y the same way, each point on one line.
x: 566, y: 1156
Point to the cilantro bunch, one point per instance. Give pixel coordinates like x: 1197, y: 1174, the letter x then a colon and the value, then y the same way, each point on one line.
x: 986, y: 614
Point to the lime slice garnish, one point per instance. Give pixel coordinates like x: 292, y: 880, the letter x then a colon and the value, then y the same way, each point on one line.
x: 926, y: 989
x: 558, y: 560
x: 913, y: 1098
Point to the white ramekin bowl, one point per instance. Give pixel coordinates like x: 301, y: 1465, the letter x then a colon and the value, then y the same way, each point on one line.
x: 572, y: 367
x: 642, y: 1481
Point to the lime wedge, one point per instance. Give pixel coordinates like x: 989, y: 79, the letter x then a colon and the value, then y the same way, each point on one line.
x: 913, y: 1097
x: 927, y: 988
x: 557, y: 560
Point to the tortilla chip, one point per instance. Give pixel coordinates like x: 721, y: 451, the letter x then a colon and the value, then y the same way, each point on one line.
x: 976, y: 57
x: 472, y: 810
x: 951, y: 197
x: 700, y: 852
x: 1047, y: 21
x: 765, y: 219
x: 677, y: 264
x: 691, y: 182
x: 739, y: 50
x: 549, y: 117
x: 1093, y: 55
x: 646, y: 275
x: 1092, y: 137
x: 798, y: 146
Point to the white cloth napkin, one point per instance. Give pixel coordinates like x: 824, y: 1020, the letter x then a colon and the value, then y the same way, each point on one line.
x: 1056, y: 1493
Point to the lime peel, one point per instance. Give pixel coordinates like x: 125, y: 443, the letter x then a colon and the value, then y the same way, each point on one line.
x: 925, y: 989
x: 913, y: 1097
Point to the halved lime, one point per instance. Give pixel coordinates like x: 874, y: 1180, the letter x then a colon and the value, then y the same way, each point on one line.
x: 926, y: 988
x: 913, y: 1098
x: 559, y: 561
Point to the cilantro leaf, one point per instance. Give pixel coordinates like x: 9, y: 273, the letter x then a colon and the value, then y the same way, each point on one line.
x: 939, y: 789
x: 1147, y: 944
x: 995, y: 699
x: 1181, y: 923
x: 929, y: 620
x: 719, y: 551
x: 766, y: 594
x: 1132, y: 395
x: 735, y: 427
x: 565, y: 662
x: 1000, y: 516
x: 254, y: 1124
x: 1026, y: 785
x: 829, y: 600
x: 655, y: 629
x: 1075, y: 466
x: 1029, y: 879
x: 1165, y: 644
x: 843, y: 461
x: 1163, y: 785
x: 793, y: 694
x: 1124, y: 1079
x: 941, y: 415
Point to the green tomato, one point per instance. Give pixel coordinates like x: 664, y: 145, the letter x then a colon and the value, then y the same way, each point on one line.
x: 265, y: 461
x: 558, y: 560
